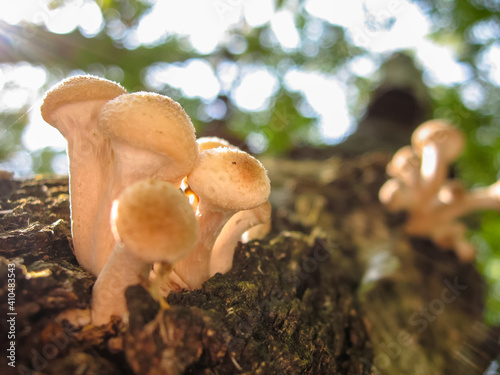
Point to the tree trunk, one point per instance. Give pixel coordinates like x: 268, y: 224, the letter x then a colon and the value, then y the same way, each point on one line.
x: 336, y: 288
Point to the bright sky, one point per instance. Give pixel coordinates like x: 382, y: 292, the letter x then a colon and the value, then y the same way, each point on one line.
x: 392, y: 25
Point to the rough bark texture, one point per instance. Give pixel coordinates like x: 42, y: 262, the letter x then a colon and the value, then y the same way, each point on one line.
x: 336, y: 288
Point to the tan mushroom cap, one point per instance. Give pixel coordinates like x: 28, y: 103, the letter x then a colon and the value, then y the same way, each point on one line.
x: 405, y: 163
x: 154, y: 220
x: 443, y: 134
x: 230, y: 179
x: 396, y: 196
x: 153, y: 122
x: 207, y: 143
x: 78, y: 89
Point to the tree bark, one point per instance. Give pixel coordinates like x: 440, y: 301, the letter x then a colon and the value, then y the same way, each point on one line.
x: 336, y: 288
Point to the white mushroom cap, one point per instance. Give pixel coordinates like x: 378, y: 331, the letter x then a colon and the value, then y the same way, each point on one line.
x: 442, y: 133
x: 154, y: 221
x: 73, y: 90
x: 230, y: 179
x: 155, y: 123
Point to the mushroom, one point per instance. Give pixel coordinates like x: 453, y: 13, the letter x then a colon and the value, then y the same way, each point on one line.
x: 464, y: 202
x: 434, y: 203
x: 152, y: 221
x: 405, y: 165
x: 204, y: 143
x: 257, y: 232
x: 237, y: 225
x: 397, y: 196
x: 226, y: 181
x: 438, y: 143
x: 72, y: 107
x: 150, y: 136
x: 403, y: 191
x: 460, y: 203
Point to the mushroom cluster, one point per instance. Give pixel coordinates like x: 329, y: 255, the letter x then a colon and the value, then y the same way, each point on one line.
x: 419, y: 184
x: 149, y: 202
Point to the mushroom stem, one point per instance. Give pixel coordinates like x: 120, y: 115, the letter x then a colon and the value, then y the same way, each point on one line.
x: 257, y: 232
x: 89, y: 166
x: 475, y: 200
x: 195, y: 268
x: 440, y: 221
x: 129, y: 165
x: 167, y: 283
x: 433, y: 171
x: 223, y: 250
x: 122, y: 270
x: 73, y: 107
x: 438, y: 143
x: 452, y: 236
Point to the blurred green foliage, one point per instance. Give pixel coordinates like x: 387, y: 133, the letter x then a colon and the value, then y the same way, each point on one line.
x: 282, y: 124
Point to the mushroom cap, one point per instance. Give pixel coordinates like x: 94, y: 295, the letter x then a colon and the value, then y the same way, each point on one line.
x: 207, y: 143
x: 450, y: 139
x: 78, y: 89
x: 230, y: 179
x: 451, y: 192
x: 396, y: 196
x: 405, y: 164
x: 152, y: 122
x: 155, y: 221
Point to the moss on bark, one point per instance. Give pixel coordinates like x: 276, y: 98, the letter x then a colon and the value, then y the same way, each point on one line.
x: 336, y: 288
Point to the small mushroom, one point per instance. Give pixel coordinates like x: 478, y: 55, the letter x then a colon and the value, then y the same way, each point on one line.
x: 405, y: 165
x: 451, y: 191
x: 150, y: 136
x: 237, y: 225
x: 438, y: 143
x: 397, y: 196
x: 204, y: 143
x: 152, y: 221
x: 226, y: 181
x: 72, y: 107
